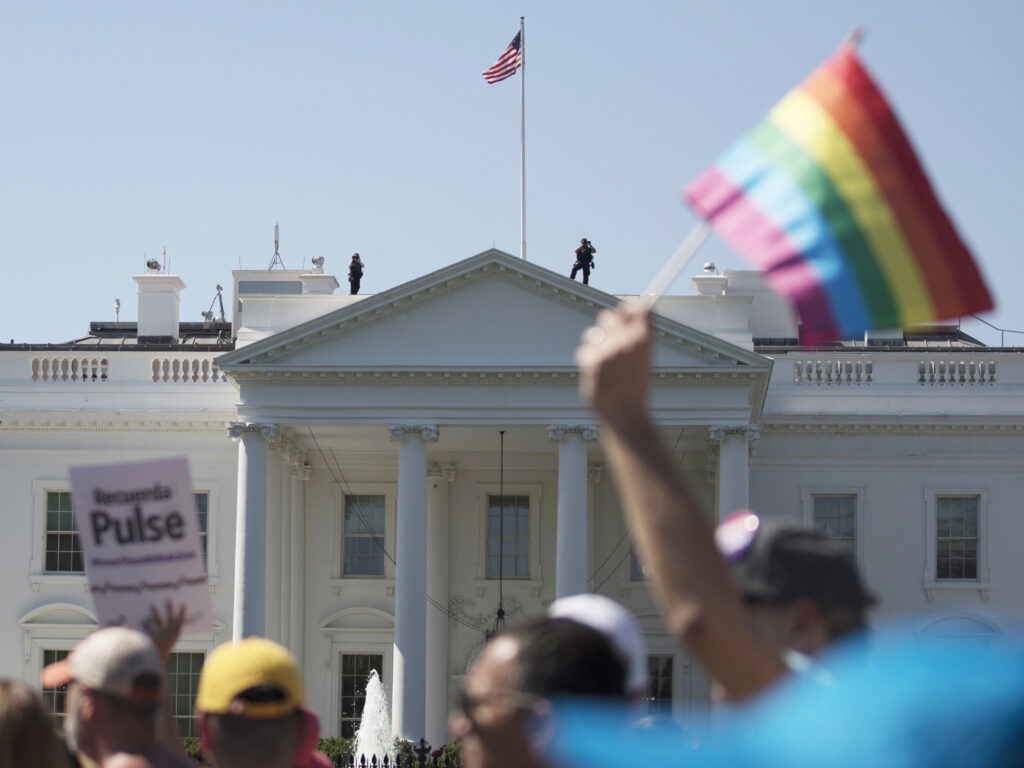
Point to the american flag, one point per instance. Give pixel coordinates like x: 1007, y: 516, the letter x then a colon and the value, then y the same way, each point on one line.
x: 507, y: 63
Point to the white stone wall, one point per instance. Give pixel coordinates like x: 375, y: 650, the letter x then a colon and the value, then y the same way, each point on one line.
x: 485, y: 349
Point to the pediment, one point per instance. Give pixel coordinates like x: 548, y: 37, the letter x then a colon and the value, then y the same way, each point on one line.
x: 58, y: 615
x: 359, y: 618
x: 958, y: 625
x: 490, y: 312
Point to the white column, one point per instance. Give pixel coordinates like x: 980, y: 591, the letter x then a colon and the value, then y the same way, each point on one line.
x: 274, y: 568
x: 285, y: 548
x: 571, y: 544
x: 249, y: 614
x: 439, y: 479
x: 409, y: 674
x: 297, y: 595
x: 291, y: 457
x: 733, y: 466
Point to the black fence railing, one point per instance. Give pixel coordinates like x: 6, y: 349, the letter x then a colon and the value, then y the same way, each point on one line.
x: 441, y: 761
x: 408, y: 755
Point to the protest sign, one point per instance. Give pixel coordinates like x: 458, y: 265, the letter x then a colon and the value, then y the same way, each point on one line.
x: 141, y: 540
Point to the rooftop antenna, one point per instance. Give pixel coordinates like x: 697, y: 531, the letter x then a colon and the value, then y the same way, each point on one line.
x: 499, y: 617
x: 277, y: 243
x: 117, y: 310
x: 165, y: 267
x: 208, y: 314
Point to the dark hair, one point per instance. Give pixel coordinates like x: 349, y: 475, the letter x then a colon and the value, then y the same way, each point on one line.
x: 784, y: 562
x: 250, y: 741
x: 28, y: 738
x: 562, y: 656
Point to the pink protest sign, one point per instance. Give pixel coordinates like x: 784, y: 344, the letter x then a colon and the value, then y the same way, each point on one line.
x: 141, y: 540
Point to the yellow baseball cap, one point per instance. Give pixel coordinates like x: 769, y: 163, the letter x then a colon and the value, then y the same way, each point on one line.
x: 255, y: 678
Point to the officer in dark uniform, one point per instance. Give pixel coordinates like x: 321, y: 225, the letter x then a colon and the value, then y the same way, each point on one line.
x: 584, y: 260
x: 355, y: 273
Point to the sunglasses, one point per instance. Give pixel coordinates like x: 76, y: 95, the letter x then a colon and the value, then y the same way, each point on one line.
x: 484, y: 710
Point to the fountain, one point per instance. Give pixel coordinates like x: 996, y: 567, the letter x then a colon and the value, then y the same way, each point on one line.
x: 373, y: 737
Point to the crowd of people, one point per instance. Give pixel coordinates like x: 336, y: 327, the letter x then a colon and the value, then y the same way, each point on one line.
x: 250, y: 707
x: 756, y: 601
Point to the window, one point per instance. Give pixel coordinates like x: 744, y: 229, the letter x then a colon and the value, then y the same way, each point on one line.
x: 364, y: 552
x: 55, y: 698
x: 182, y: 683
x: 659, y: 685
x: 956, y: 532
x: 835, y: 515
x: 838, y: 512
x: 203, y: 510
x: 508, y: 536
x: 637, y: 571
x: 956, y: 538
x: 355, y: 672
x: 63, y: 545
x: 363, y: 538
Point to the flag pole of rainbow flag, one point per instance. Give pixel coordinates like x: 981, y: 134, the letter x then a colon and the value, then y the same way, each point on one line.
x: 827, y: 196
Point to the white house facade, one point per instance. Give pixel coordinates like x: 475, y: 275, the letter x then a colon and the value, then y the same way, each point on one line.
x: 378, y: 475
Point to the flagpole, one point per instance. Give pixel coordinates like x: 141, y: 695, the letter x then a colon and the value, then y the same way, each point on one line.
x: 522, y: 139
x: 670, y: 271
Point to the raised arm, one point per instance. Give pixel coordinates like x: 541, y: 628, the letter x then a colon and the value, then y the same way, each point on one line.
x: 689, y: 576
x: 164, y: 628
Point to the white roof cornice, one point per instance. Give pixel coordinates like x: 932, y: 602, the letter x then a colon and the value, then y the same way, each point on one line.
x: 273, y: 352
x: 903, y: 429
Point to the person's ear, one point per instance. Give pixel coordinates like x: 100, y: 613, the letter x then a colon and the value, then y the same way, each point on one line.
x: 205, y: 735
x: 541, y: 727
x: 806, y: 627
x: 308, y: 736
x: 458, y: 724
x: 87, y: 704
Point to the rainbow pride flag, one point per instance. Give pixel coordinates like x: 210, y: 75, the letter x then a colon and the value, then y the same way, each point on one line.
x: 827, y: 196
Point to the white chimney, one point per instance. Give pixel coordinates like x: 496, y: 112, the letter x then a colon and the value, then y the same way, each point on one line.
x: 159, y: 305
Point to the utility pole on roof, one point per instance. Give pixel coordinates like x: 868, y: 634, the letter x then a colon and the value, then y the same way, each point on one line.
x: 276, y: 261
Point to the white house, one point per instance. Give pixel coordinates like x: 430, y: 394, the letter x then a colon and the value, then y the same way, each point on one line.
x: 359, y: 460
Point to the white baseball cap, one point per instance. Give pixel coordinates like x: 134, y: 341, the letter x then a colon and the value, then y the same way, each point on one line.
x: 116, y: 660
x: 615, y: 623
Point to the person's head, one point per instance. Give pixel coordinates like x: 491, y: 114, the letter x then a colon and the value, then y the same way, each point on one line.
x: 251, y: 710
x: 28, y: 738
x: 509, y: 684
x: 115, y: 679
x: 801, y: 589
x: 620, y: 628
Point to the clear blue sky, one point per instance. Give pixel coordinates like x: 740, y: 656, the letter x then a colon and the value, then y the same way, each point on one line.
x: 366, y: 126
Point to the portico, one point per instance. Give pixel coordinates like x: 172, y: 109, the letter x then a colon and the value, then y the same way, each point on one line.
x: 369, y: 468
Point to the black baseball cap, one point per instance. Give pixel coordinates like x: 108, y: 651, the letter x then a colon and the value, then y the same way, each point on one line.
x: 778, y: 561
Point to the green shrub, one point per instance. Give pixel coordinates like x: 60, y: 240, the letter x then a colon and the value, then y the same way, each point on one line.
x: 338, y: 748
x: 403, y: 752
x: 191, y: 747
x: 444, y: 756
